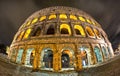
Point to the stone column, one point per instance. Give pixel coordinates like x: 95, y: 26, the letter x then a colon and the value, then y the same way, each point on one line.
x: 78, y: 59
x: 56, y: 63
x: 35, y: 61
x: 24, y: 54
x: 79, y: 62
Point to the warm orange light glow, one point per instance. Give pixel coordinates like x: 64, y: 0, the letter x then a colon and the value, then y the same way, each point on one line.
x: 68, y: 52
x: 81, y: 30
x: 73, y: 17
x: 97, y: 33
x: 88, y: 21
x: 52, y: 16
x: 27, y: 33
x: 20, y: 36
x: 89, y: 31
x: 33, y: 53
x: 66, y: 26
x: 28, y: 23
x: 63, y: 16
x: 34, y: 20
x: 82, y: 19
x: 42, y: 18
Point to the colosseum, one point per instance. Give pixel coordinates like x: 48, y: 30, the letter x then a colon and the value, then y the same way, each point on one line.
x: 60, y: 39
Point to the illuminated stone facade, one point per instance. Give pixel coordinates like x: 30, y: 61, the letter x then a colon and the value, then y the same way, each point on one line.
x: 60, y: 39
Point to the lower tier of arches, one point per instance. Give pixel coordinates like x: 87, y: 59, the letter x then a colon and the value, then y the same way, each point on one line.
x: 60, y: 57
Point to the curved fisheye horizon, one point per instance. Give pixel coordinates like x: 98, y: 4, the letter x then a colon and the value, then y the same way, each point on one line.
x: 59, y: 38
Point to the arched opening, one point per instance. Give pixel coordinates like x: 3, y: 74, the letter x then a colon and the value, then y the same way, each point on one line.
x: 63, y: 16
x: 89, y: 21
x: 82, y: 19
x: 47, y: 59
x: 67, y: 59
x: 73, y: 17
x: 37, y: 32
x: 79, y: 30
x: 109, y: 51
x: 97, y: 33
x: 28, y: 23
x: 29, y: 57
x: 53, y: 16
x: 27, y: 33
x: 65, y: 29
x: 51, y: 30
x: 34, y: 20
x: 84, y: 56
x: 90, y: 31
x: 19, y: 56
x: 102, y: 36
x: 98, y: 54
x: 104, y: 52
x: 42, y: 18
x: 20, y: 36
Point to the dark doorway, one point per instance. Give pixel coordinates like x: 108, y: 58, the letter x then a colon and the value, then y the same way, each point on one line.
x: 64, y: 31
x: 65, y: 61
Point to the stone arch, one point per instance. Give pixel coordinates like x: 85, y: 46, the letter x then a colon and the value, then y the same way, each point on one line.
x: 73, y: 17
x: 52, y: 16
x: 98, y: 54
x: 86, y: 55
x: 50, y: 29
x: 97, y: 33
x: 90, y: 31
x: 47, y: 59
x: 42, y: 18
x: 79, y: 30
x: 65, y: 29
x: 19, y: 56
x: 20, y: 36
x: 27, y: 33
x: 67, y: 58
x: 63, y: 16
x: 30, y: 54
x: 37, y: 31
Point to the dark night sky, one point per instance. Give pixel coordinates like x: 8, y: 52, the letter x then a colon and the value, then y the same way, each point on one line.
x: 14, y: 12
